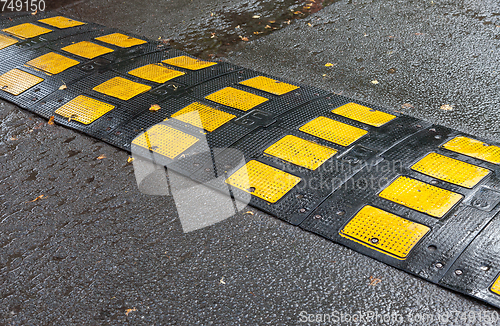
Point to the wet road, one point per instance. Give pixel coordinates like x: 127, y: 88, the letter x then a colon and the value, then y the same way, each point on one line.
x: 95, y: 251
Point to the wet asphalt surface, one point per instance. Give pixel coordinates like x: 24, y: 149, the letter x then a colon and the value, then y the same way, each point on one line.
x: 94, y: 250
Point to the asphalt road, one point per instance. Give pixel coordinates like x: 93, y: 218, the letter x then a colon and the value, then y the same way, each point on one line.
x: 94, y: 250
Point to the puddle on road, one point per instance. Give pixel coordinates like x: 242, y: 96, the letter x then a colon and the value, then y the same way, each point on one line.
x: 230, y: 28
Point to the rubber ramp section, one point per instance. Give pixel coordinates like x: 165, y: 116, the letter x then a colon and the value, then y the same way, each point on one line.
x: 420, y: 197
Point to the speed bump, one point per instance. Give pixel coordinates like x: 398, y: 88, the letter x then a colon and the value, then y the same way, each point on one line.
x: 421, y: 197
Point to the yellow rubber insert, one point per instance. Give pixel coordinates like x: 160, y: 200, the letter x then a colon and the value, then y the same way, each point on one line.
x: 450, y: 170
x: 87, y: 49
x: 52, y: 63
x: 333, y: 131
x: 188, y: 63
x: 269, y: 85
x: 155, y: 73
x: 474, y: 148
x: 495, y: 288
x: 384, y: 232
x: 121, y: 88
x: 120, y: 40
x: 61, y: 22
x: 263, y: 181
x: 203, y: 116
x: 84, y: 109
x: 6, y: 41
x: 165, y: 140
x: 27, y: 30
x: 236, y: 98
x: 17, y: 81
x: 364, y: 114
x: 421, y: 196
x: 300, y: 152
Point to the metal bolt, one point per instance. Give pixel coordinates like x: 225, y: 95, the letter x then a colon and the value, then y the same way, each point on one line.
x: 439, y: 265
x: 340, y: 212
x: 302, y: 210
x: 317, y: 217
x: 437, y: 136
x: 458, y: 272
x: 374, y: 240
x: 485, y: 268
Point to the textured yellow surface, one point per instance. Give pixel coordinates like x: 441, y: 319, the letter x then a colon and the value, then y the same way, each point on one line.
x: 6, y: 41
x: 269, y: 85
x: 61, y: 22
x: 384, y: 232
x: 474, y: 148
x: 421, y: 196
x: 84, y: 109
x: 236, y: 98
x: 333, y: 131
x: 263, y: 181
x: 188, y: 63
x: 87, y: 49
x: 203, y: 116
x: 121, y: 88
x: 300, y: 152
x: 27, y: 30
x: 155, y: 73
x: 120, y: 40
x: 52, y: 63
x: 17, y: 81
x: 364, y: 114
x: 450, y: 170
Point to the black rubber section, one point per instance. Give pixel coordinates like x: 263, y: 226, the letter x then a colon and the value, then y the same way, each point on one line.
x: 462, y: 249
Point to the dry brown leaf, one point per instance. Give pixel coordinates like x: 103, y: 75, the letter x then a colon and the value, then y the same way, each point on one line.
x: 37, y: 198
x: 63, y: 86
x: 13, y: 138
x: 51, y: 120
x: 374, y: 281
x: 256, y: 16
x: 268, y: 27
x: 244, y: 38
x: 329, y: 64
x: 154, y: 107
x: 375, y: 82
x: 101, y: 157
x: 249, y: 213
x: 129, y: 311
x: 273, y: 21
x: 407, y: 106
x: 446, y: 107
x: 35, y: 12
x: 309, y: 24
x: 130, y: 159
x: 222, y: 281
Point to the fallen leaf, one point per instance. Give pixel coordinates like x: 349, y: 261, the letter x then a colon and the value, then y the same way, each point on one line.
x: 256, y: 16
x: 297, y: 12
x: 419, y: 33
x: 213, y: 35
x: 391, y: 71
x: 13, y: 138
x: 329, y: 64
x: 273, y: 21
x: 154, y: 107
x: 101, y: 157
x: 37, y: 198
x: 375, y: 82
x: 244, y: 38
x: 212, y: 14
x: 257, y: 33
x: 63, y: 87
x: 51, y: 120
x: 237, y: 27
x: 407, y: 106
x: 34, y: 13
x: 129, y: 311
x: 374, y: 281
x: 222, y: 281
x: 130, y: 159
x: 268, y: 27
x: 73, y: 116
x: 446, y: 107
x: 288, y: 22
x: 309, y: 24
x: 249, y: 213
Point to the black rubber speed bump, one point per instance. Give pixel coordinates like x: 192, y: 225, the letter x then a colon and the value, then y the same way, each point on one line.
x: 420, y: 197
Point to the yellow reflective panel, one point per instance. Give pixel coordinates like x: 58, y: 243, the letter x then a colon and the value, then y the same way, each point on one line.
x: 27, y: 30
x: 474, y: 148
x: 17, y: 81
x: 155, y: 73
x: 421, y: 196
x: 269, y: 85
x: 263, y: 181
x: 120, y: 40
x: 300, y: 152
x: 61, y: 22
x: 6, y: 41
x: 333, y: 131
x: 450, y: 170
x: 236, y: 98
x: 203, y: 116
x: 364, y: 114
x: 188, y: 63
x: 84, y: 109
x: 495, y: 288
x: 384, y: 232
x: 87, y: 49
x: 165, y: 140
x: 121, y: 88
x: 52, y: 63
